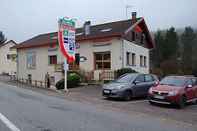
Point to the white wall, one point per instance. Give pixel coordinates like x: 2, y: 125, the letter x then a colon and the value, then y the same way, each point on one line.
x: 117, y: 47
x: 42, y: 65
x: 87, y: 49
x: 7, y: 65
x: 138, y: 50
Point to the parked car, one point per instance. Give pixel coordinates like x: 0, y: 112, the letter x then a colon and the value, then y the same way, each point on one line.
x: 174, y: 90
x: 129, y: 85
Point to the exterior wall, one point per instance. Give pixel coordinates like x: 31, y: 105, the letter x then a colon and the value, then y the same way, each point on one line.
x: 7, y: 65
x: 42, y: 65
x: 87, y: 49
x: 138, y: 50
x: 117, y: 47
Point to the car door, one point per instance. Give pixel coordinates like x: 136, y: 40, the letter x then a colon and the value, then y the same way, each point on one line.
x: 139, y: 85
x: 195, y: 86
x: 149, y: 82
x: 190, y: 90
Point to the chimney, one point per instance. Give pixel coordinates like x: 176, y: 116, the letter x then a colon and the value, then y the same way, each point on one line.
x: 134, y: 17
x: 86, y: 27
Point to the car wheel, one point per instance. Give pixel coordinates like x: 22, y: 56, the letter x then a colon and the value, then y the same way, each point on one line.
x: 128, y: 96
x: 182, y: 102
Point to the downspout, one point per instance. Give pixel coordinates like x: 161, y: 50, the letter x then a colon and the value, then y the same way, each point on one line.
x: 122, y: 49
x: 17, y: 65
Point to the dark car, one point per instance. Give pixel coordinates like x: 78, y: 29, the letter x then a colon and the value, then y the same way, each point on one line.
x: 130, y: 85
x: 174, y: 90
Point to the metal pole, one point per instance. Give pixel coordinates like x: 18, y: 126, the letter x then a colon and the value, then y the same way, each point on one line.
x: 65, y: 75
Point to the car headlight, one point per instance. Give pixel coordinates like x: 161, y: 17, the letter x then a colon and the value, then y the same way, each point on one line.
x: 172, y: 93
x: 150, y: 91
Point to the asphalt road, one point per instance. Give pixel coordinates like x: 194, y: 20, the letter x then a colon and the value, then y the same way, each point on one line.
x: 33, y: 111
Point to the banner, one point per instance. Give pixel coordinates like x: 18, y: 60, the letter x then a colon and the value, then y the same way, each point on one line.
x: 66, y: 38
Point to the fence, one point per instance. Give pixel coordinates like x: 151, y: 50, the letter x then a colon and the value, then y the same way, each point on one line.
x: 107, y: 75
x: 35, y: 83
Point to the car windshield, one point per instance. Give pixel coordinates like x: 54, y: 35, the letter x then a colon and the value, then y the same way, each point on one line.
x: 126, y: 78
x: 173, y: 81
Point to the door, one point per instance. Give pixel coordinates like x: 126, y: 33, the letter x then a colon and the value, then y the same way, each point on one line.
x: 139, y: 87
x: 195, y: 86
x: 149, y: 82
x: 190, y: 90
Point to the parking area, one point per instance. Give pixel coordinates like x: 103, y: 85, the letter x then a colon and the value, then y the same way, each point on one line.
x: 93, y: 95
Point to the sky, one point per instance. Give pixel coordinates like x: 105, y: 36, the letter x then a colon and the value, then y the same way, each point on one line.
x: 23, y: 19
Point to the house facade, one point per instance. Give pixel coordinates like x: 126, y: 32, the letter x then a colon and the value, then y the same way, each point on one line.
x: 108, y: 47
x: 8, y: 58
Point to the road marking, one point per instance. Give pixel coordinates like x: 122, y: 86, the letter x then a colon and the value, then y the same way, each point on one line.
x: 8, y: 123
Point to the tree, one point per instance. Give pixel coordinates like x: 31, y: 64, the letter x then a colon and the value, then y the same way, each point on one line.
x: 2, y: 38
x: 170, y: 47
x: 157, y: 54
x: 194, y: 56
x: 188, y: 42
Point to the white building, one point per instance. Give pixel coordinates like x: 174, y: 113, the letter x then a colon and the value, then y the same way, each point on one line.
x: 108, y: 46
x: 8, y: 58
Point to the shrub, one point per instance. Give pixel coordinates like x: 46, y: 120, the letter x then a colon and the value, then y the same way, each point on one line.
x: 60, y: 84
x: 123, y: 71
x: 73, y: 80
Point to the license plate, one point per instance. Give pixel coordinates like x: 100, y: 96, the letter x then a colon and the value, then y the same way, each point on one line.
x: 159, y: 97
x: 106, y: 91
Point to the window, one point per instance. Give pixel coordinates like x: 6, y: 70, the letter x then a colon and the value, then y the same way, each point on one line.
x: 133, y: 58
x: 52, y: 59
x: 189, y: 82
x: 75, y: 65
x: 141, y: 60
x: 145, y: 61
x: 140, y: 78
x: 128, y: 58
x: 102, y: 60
x: 31, y: 60
x: 148, y: 78
x: 133, y: 36
x: 8, y: 56
x: 194, y: 81
x: 143, y: 38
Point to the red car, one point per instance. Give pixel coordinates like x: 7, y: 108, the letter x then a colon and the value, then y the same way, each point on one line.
x: 174, y: 90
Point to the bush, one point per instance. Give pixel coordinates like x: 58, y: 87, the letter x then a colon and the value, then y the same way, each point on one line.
x: 73, y: 80
x: 123, y: 71
x: 60, y: 84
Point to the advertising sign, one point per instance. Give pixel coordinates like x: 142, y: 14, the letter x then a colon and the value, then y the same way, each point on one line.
x: 66, y: 38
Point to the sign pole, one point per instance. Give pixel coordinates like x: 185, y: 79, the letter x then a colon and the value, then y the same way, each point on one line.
x: 66, y: 40
x: 65, y: 75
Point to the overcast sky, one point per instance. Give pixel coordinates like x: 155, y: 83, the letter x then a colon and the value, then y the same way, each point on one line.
x: 23, y: 19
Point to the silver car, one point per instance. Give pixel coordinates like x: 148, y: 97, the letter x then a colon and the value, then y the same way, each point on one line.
x: 130, y: 85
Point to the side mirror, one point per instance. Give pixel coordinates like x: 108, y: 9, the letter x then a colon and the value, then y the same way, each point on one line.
x: 189, y: 86
x: 156, y: 83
